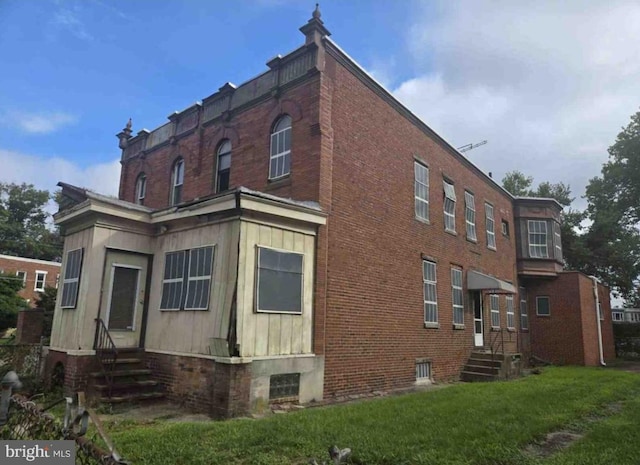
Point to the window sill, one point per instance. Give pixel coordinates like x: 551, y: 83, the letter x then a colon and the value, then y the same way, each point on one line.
x: 524, y: 330
x: 546, y: 316
x: 458, y: 326
x: 430, y: 325
x: 422, y: 220
x: 511, y: 330
x: 278, y: 182
x: 495, y: 329
x: 473, y: 241
x: 453, y: 233
x: 492, y: 248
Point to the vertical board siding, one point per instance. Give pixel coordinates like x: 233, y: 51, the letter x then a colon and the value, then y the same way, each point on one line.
x: 264, y: 334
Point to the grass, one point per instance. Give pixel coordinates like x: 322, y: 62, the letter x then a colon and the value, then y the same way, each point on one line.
x: 464, y: 424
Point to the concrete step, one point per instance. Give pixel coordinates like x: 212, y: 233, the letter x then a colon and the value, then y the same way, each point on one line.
x: 482, y: 369
x: 484, y: 362
x: 132, y: 397
x: 132, y: 385
x: 128, y: 361
x: 470, y: 376
x: 123, y: 373
x: 480, y: 355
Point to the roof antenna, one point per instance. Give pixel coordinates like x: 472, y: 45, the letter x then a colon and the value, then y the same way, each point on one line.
x: 466, y: 148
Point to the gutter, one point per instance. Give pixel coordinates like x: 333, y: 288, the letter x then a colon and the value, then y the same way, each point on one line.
x: 595, y: 294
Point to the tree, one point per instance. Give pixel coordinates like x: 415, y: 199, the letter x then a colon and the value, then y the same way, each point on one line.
x: 47, y: 302
x: 10, y: 302
x: 517, y: 183
x: 23, y: 223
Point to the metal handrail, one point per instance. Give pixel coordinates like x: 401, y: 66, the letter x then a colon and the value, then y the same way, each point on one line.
x: 106, y: 352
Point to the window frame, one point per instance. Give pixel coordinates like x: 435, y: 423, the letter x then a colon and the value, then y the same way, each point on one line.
x: 524, y: 310
x: 44, y: 280
x: 285, y: 153
x: 70, y: 280
x: 430, y: 304
x: 505, y: 227
x: 420, y: 168
x: 177, y: 181
x: 538, y: 299
x: 491, y: 231
x: 141, y: 188
x: 511, y: 313
x: 449, y: 201
x: 24, y: 277
x: 219, y: 172
x: 542, y: 248
x: 186, y: 279
x: 457, y: 290
x: 494, y: 311
x: 257, y: 281
x: 470, y: 216
x: 600, y: 311
x: 557, y: 241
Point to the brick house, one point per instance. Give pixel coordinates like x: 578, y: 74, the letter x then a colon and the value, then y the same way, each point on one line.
x: 35, y: 274
x: 304, y: 236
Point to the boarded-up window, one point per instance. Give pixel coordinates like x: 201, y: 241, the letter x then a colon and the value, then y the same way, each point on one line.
x: 71, y: 282
x: 187, y: 279
x: 279, y: 281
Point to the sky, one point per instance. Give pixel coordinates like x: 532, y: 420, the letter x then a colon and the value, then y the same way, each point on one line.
x: 548, y: 84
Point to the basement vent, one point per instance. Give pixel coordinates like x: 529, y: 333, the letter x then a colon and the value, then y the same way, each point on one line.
x: 284, y: 386
x: 423, y: 371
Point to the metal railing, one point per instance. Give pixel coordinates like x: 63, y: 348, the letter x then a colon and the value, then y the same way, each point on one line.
x: 106, y: 352
x: 497, y: 342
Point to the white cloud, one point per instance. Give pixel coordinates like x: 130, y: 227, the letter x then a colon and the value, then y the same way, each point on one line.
x: 549, y: 84
x: 69, y: 19
x: 38, y: 123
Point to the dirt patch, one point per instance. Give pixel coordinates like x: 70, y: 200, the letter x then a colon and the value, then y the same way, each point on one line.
x: 164, y: 411
x: 552, y: 443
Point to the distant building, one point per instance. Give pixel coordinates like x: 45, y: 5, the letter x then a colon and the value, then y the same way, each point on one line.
x: 35, y: 274
x: 625, y: 315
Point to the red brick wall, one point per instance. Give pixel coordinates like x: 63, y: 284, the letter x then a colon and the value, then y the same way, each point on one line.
x: 30, y: 325
x: 374, y: 321
x: 76, y: 370
x: 249, y: 132
x: 11, y: 265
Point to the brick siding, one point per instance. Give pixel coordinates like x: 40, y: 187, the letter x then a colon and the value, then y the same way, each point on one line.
x: 11, y: 265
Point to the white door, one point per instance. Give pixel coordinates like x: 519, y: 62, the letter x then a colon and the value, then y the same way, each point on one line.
x: 123, y: 293
x: 478, y: 330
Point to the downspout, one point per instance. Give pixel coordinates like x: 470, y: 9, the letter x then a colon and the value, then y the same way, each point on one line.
x: 595, y: 294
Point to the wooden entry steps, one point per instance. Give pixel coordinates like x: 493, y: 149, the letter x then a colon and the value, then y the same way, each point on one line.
x: 482, y: 366
x: 132, y: 381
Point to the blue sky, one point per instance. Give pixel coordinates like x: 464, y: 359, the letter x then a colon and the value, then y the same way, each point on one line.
x: 548, y: 85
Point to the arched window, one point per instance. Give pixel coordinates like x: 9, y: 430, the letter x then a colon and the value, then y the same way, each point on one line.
x: 224, y: 166
x: 141, y: 188
x: 177, y: 179
x: 280, y: 155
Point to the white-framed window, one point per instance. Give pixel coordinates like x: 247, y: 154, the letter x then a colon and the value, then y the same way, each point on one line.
x: 470, y: 215
x: 423, y: 371
x: 280, y: 151
x: 186, y: 283
x: 421, y: 190
x: 457, y: 296
x: 449, y: 206
x: 524, y: 312
x: 141, y: 188
x: 537, y: 239
x: 494, y: 305
x: 511, y: 315
x: 543, y: 308
x: 224, y: 166
x: 41, y: 281
x: 617, y: 316
x: 491, y: 226
x: 23, y: 276
x: 600, y: 312
x: 557, y: 241
x: 177, y: 181
x: 71, y: 278
x: 429, y: 280
x: 279, y: 281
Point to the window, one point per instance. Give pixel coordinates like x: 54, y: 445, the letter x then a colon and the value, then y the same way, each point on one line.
x: 511, y: 315
x: 491, y: 226
x: 141, y: 188
x: 557, y: 240
x: 421, y: 190
x: 423, y: 371
x: 505, y: 228
x: 524, y: 315
x: 177, y: 180
x: 430, y: 297
x: 71, y: 280
x: 280, y: 155
x: 279, y: 281
x: 456, y: 290
x: 449, y: 207
x: 186, y: 283
x: 600, y: 314
x: 41, y: 279
x: 23, y: 276
x: 284, y: 386
x: 224, y: 166
x: 542, y: 306
x: 470, y: 215
x: 617, y: 316
x: 494, y: 304
x: 537, y: 239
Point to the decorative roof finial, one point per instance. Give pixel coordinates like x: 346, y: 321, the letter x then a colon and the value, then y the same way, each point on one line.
x: 129, y: 123
x: 316, y: 13
x: 125, y: 135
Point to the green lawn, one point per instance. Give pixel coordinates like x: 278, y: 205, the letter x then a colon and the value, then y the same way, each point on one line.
x: 465, y: 424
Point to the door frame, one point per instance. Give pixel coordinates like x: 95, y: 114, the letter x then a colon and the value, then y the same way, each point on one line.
x: 478, y: 303
x: 135, y: 299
